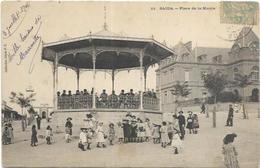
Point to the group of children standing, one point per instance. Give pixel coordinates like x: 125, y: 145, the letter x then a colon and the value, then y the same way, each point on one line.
x: 134, y: 130
x: 8, y: 135
x: 48, y: 136
x: 131, y: 129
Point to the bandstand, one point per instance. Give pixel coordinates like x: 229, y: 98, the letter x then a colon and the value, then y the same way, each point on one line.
x: 104, y: 51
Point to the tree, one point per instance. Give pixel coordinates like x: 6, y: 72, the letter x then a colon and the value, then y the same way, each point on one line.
x: 243, y: 81
x: 215, y: 83
x: 24, y: 102
x: 180, y: 90
x: 32, y: 113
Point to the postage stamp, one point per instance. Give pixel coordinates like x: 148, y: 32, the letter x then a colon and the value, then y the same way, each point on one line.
x: 243, y: 13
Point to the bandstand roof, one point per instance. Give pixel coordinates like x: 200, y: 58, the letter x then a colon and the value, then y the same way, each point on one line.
x: 112, y: 51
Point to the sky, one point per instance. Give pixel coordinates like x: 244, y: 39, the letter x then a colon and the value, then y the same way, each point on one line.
x: 55, y: 20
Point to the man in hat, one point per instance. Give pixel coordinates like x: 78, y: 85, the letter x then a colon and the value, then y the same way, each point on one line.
x: 64, y: 93
x: 38, y: 120
x: 182, y: 123
x: 133, y: 126
x: 122, y: 98
x: 230, y: 116
x: 127, y: 130
x: 103, y: 98
x: 113, y: 99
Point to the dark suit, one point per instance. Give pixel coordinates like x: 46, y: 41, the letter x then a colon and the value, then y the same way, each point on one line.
x: 230, y: 117
x: 182, y: 123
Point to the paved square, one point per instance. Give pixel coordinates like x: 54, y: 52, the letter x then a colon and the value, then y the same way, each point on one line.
x: 200, y: 150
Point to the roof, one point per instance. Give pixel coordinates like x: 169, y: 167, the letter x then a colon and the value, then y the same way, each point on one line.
x: 211, y: 52
x: 113, y: 51
x: 246, y: 36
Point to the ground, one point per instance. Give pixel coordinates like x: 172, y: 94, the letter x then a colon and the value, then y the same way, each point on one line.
x: 200, y: 150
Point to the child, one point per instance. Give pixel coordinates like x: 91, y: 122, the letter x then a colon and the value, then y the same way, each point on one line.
x: 133, y: 131
x: 52, y: 140
x: 82, y: 139
x: 147, y: 129
x: 48, y: 135
x: 176, y: 142
x: 120, y: 132
x: 141, y: 131
x: 164, y: 135
x: 156, y: 134
x: 34, y: 139
x: 111, y: 133
x: 5, y: 136
x: 100, y: 136
x: 89, y: 134
x: 195, y: 123
x: 11, y: 133
x: 67, y: 134
x: 189, y: 122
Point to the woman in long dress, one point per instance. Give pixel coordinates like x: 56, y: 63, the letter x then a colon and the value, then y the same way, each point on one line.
x: 148, y: 130
x: 229, y: 152
x: 34, y: 139
x: 164, y: 135
x: 120, y: 132
x: 100, y: 136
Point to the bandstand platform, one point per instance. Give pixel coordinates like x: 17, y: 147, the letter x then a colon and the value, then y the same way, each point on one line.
x: 109, y: 52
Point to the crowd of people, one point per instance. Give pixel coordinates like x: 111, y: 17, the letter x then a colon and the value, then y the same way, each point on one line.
x: 8, y: 134
x: 132, y: 129
x: 83, y: 99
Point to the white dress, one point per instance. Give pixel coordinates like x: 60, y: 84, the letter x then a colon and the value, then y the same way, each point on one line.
x: 100, y: 134
x: 83, y: 137
x: 176, y: 141
x: 148, y: 132
x: 120, y: 132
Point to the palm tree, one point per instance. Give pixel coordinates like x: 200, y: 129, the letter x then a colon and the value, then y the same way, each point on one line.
x: 215, y: 83
x: 180, y: 90
x: 243, y: 81
x: 24, y: 102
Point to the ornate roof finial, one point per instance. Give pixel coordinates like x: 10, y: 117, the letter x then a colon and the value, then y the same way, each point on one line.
x: 105, y: 18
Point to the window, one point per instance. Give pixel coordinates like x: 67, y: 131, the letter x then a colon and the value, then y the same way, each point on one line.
x: 185, y: 57
x: 217, y: 59
x: 255, y: 73
x: 235, y: 49
x: 202, y: 74
x: 165, y: 97
x: 202, y: 58
x: 172, y: 74
x: 186, y: 75
x: 235, y: 72
x: 254, y: 47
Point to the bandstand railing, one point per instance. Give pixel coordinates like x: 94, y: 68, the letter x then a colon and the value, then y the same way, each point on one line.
x: 85, y: 102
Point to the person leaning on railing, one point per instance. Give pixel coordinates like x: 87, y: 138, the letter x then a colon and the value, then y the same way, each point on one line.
x: 113, y: 100
x: 122, y: 99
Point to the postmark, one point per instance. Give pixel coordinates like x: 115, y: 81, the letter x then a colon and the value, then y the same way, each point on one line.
x: 242, y: 13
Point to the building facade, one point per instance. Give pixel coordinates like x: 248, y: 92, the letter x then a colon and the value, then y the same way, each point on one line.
x: 189, y: 64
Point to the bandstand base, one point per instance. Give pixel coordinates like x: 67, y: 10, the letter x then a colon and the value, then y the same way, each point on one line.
x: 105, y: 115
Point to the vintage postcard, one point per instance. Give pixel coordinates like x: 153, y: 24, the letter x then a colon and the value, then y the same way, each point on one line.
x: 130, y: 84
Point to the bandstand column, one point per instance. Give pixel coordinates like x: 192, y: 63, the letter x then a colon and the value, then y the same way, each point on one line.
x: 55, y: 82
x: 94, y: 79
x: 77, y: 71
x: 160, y: 86
x: 141, y: 79
x: 113, y: 79
x: 145, y: 76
